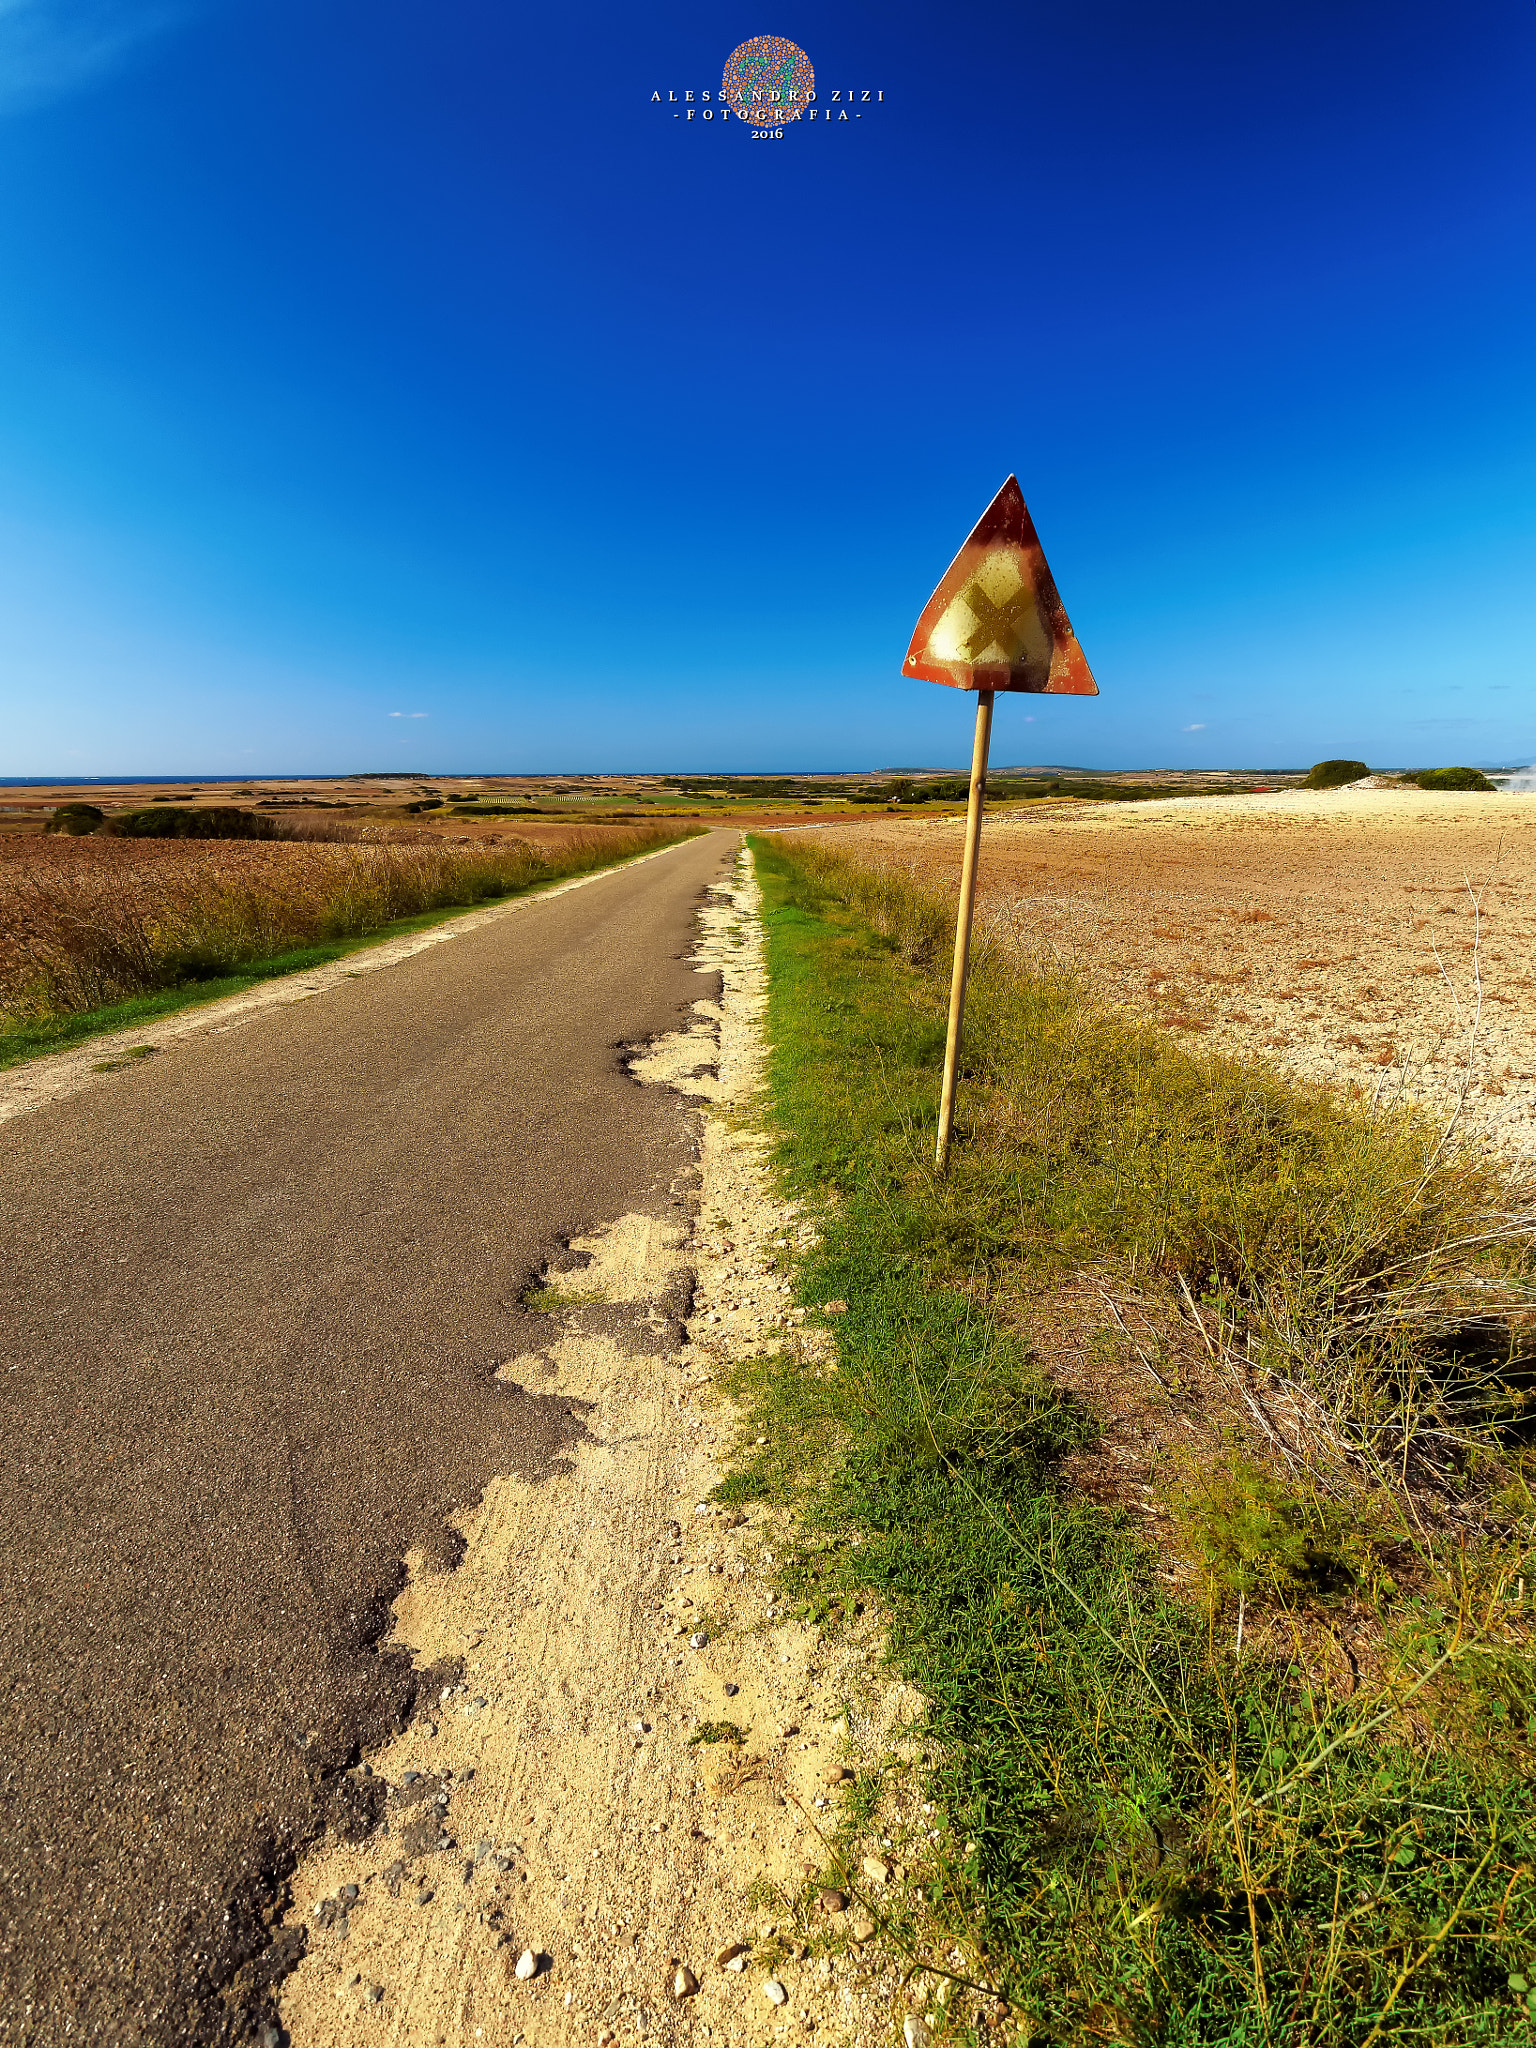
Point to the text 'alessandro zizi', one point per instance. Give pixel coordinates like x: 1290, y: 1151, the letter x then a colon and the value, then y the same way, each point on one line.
x: 839, y: 105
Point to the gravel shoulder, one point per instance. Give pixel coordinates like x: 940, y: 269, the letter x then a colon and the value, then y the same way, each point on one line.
x: 1379, y: 941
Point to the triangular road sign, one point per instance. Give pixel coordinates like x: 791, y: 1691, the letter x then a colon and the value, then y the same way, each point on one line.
x: 995, y: 622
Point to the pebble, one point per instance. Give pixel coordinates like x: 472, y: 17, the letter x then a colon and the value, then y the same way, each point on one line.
x: 862, y: 1929
x: 876, y: 1868
x: 527, y: 1966
x: 410, y: 1777
x: 702, y: 1508
x: 914, y: 2033
x: 731, y: 1691
x: 839, y: 1776
x: 733, y: 1956
x: 834, y: 1902
x: 373, y: 1994
x: 349, y: 1892
x: 423, y: 1897
x: 774, y: 1992
x: 684, y: 1984
x: 698, y: 1641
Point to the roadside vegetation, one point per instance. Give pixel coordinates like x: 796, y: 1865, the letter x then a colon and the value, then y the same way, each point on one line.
x: 101, y: 933
x: 948, y: 789
x: 1338, y: 774
x: 1230, y: 1678
x: 1454, y: 778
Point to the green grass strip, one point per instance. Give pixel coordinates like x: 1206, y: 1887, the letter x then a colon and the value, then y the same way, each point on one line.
x: 34, y: 1037
x: 1170, y: 1847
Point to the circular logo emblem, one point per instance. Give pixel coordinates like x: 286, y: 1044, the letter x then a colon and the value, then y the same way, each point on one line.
x: 768, y: 80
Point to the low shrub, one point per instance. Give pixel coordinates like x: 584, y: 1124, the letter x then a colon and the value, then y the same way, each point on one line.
x: 207, y: 821
x: 1334, y: 774
x: 1453, y: 778
x: 75, y: 819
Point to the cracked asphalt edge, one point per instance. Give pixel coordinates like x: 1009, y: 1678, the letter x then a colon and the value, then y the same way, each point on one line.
x: 568, y: 1852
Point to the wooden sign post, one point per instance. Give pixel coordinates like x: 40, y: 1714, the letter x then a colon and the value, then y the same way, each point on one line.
x: 994, y: 623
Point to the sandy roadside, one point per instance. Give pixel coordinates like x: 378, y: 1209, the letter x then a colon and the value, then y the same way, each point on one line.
x: 571, y: 1852
x: 1381, y: 941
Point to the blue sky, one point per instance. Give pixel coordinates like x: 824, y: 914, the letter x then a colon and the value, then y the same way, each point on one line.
x: 387, y: 384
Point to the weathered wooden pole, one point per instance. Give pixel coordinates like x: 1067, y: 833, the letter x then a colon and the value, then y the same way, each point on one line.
x: 994, y: 623
x: 967, y: 911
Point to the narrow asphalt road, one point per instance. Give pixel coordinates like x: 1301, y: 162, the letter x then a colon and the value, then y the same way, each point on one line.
x: 253, y: 1293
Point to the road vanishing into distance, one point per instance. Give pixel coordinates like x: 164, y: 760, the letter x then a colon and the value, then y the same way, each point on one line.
x: 253, y: 1294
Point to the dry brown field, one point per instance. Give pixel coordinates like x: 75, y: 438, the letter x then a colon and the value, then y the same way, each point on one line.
x: 1378, y: 941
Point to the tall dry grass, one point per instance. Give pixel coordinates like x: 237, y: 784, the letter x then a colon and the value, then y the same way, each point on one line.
x: 85, y: 922
x: 1376, y: 1263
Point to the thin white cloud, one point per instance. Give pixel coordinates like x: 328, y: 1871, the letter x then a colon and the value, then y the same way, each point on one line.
x: 410, y: 714
x: 1194, y: 728
x: 52, y: 47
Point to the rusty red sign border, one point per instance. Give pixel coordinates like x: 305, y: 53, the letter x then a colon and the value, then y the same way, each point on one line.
x: 1006, y: 522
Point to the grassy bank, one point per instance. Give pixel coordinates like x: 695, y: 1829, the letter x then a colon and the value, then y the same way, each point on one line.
x: 1158, y: 1829
x: 99, y: 945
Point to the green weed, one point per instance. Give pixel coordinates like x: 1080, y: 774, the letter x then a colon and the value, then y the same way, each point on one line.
x: 126, y: 1058
x: 717, y: 1731
x: 549, y: 1301
x: 1255, y: 1534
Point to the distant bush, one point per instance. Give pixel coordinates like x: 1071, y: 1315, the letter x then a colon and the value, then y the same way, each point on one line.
x: 1453, y: 778
x: 74, y: 819
x: 1334, y: 774
x: 208, y: 821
